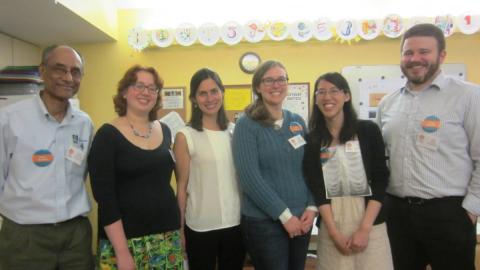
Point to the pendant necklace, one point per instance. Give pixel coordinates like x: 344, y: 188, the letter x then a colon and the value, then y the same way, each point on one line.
x: 138, y: 134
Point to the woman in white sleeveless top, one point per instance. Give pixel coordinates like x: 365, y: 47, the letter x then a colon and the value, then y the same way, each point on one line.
x: 207, y: 187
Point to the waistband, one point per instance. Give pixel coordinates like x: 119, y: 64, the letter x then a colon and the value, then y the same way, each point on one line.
x: 77, y: 218
x: 420, y: 201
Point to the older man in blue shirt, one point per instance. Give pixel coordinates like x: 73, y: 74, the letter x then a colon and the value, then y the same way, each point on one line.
x: 431, y: 129
x: 43, y: 144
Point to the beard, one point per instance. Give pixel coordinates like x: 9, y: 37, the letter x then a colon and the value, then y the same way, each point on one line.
x: 421, y: 79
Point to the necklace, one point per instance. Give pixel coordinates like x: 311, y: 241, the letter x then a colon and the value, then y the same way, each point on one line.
x: 138, y: 134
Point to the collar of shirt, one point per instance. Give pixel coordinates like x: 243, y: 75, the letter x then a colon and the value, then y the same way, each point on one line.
x: 71, y: 111
x: 439, y: 83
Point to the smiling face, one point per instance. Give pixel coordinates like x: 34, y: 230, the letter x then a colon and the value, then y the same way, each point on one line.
x: 330, y: 100
x: 420, y: 61
x: 62, y: 73
x: 209, y: 97
x: 141, y: 100
x: 273, y: 87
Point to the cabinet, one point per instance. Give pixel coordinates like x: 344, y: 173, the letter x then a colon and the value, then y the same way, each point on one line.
x: 14, y: 52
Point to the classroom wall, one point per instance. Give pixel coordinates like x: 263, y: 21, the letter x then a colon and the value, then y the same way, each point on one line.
x: 106, y: 63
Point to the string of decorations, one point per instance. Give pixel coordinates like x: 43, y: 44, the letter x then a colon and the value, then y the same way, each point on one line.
x: 254, y: 31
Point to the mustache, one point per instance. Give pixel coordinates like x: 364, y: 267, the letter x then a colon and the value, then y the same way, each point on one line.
x: 414, y: 64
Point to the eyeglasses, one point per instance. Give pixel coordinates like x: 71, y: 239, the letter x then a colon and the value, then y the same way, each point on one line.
x: 333, y: 92
x: 140, y: 87
x: 281, y: 81
x: 61, y: 71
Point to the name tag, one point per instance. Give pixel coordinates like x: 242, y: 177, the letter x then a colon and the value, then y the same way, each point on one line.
x: 297, y: 141
x: 352, y: 147
x: 75, y: 155
x: 427, y: 141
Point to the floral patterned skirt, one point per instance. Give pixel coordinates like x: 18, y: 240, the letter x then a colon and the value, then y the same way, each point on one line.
x: 151, y: 252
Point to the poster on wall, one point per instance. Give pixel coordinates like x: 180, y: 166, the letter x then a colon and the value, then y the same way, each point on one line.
x: 372, y: 91
x: 297, y: 99
x: 172, y: 98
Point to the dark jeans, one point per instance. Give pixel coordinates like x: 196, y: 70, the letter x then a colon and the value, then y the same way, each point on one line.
x: 207, y: 249
x: 62, y: 246
x: 270, y: 247
x: 436, y: 232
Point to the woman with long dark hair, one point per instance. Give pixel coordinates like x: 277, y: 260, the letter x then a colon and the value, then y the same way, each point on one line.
x: 207, y: 187
x: 346, y: 170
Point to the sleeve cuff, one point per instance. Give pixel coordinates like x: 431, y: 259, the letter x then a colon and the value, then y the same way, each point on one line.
x: 285, y: 216
x: 472, y: 204
x: 312, y: 208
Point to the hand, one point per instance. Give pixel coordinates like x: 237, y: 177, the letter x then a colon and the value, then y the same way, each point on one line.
x: 125, y: 261
x: 307, y: 219
x: 340, y: 242
x: 358, y: 242
x: 472, y: 217
x: 293, y: 227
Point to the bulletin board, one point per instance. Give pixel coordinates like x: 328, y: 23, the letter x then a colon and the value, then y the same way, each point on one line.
x: 298, y: 99
x: 173, y: 99
x: 370, y: 83
x: 237, y: 97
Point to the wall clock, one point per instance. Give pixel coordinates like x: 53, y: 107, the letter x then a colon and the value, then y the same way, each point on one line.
x: 249, y: 62
x: 138, y: 38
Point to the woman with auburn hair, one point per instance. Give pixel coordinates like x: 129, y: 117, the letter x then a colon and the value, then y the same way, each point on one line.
x: 130, y: 166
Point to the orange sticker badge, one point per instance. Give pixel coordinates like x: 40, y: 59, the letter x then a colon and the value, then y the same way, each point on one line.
x: 42, y: 158
x: 295, y: 127
x: 431, y: 124
x: 325, y: 155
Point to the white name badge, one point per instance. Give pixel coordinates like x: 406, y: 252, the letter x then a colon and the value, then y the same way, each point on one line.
x: 427, y: 141
x: 75, y: 155
x: 297, y: 141
x: 352, y: 147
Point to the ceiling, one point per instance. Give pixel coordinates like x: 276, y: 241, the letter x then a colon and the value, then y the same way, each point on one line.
x: 43, y: 22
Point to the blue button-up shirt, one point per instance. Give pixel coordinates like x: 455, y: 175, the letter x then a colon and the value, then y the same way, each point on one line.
x: 433, y: 141
x: 38, y: 184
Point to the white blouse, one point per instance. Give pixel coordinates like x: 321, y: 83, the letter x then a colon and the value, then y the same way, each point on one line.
x: 213, y: 199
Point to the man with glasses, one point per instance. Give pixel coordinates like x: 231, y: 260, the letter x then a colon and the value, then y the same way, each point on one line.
x: 431, y: 127
x: 43, y: 145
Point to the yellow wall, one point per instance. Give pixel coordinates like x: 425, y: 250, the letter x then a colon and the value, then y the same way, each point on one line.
x: 106, y: 62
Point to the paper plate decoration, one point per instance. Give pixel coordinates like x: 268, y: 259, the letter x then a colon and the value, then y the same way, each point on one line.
x: 369, y: 29
x: 162, y: 37
x: 208, y: 34
x: 301, y: 31
x: 231, y: 33
x: 277, y: 30
x: 186, y: 34
x: 446, y: 24
x: 468, y: 23
x: 346, y: 29
x: 393, y: 26
x: 138, y: 38
x: 254, y: 31
x: 322, y: 29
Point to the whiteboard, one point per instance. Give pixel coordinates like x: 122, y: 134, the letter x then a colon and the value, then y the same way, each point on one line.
x: 369, y: 83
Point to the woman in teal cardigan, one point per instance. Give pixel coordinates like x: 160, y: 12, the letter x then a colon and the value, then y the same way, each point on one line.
x: 268, y: 148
